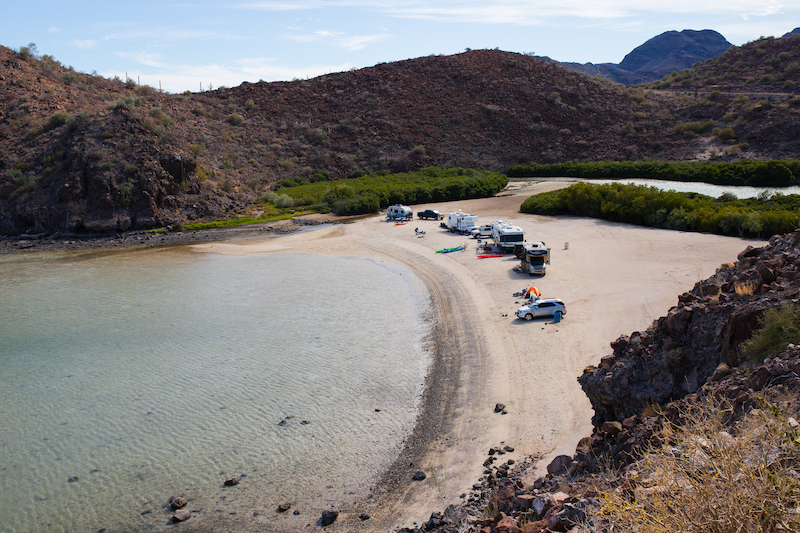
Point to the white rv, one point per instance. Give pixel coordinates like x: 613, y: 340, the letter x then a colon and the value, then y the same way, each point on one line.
x: 459, y: 222
x: 506, y: 235
x: 534, y: 257
x: 399, y: 212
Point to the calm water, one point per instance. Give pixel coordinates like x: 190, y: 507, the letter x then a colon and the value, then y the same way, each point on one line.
x: 708, y: 189
x: 146, y: 373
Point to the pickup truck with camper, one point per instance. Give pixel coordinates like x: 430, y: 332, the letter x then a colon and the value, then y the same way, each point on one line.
x: 534, y: 258
x: 430, y: 213
x: 460, y: 222
x: 483, y: 232
x: 399, y: 212
x: 505, y: 235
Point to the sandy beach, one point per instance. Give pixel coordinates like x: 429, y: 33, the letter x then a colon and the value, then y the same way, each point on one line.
x: 613, y: 278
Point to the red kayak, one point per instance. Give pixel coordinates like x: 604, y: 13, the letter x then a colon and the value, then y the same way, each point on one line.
x: 484, y: 256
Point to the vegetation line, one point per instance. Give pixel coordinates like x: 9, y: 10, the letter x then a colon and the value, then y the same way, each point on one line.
x: 772, y: 173
x: 649, y: 206
x: 370, y: 192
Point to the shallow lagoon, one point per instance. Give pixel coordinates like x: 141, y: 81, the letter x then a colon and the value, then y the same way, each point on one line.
x: 144, y: 373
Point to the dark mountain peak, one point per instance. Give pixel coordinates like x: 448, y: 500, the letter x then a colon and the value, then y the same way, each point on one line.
x: 674, y: 51
x: 793, y: 32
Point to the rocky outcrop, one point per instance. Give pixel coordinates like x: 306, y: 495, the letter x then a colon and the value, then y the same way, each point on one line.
x: 683, y: 349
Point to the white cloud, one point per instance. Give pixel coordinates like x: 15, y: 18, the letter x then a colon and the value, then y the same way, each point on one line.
x: 84, y: 44
x: 355, y: 42
x: 149, y: 59
x: 185, y: 77
x: 166, y: 34
x: 529, y: 12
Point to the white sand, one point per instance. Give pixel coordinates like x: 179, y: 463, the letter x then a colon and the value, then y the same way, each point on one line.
x: 613, y: 278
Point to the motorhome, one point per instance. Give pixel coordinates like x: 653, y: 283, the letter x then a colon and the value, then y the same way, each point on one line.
x: 399, y: 212
x: 534, y: 257
x: 460, y: 222
x: 506, y: 235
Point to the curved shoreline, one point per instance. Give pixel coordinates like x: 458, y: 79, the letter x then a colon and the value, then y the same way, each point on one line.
x: 614, y: 278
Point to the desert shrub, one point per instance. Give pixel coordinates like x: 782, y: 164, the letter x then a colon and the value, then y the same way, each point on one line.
x: 268, y: 197
x: 283, y: 201
x: 726, y: 134
x: 199, y: 111
x: 69, y: 77
x: 319, y: 175
x: 778, y: 327
x: 693, y: 127
x: 418, y: 151
x: 227, y: 186
x: 28, y: 52
x: 197, y: 149
x: 711, y: 475
x: 59, y: 118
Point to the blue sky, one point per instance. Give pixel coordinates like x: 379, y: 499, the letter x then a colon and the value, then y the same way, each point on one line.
x: 183, y: 46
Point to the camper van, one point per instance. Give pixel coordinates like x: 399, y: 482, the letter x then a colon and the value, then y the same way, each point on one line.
x: 399, y: 212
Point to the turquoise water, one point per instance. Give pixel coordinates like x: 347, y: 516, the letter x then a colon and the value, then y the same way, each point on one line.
x: 127, y: 377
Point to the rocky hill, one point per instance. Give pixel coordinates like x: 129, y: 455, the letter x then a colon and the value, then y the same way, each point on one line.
x: 672, y: 51
x: 80, y: 153
x: 767, y: 65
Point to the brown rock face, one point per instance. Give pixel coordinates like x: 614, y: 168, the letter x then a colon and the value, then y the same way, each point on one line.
x: 685, y: 348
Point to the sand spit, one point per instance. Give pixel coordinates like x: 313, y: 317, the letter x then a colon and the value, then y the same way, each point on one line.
x: 614, y: 279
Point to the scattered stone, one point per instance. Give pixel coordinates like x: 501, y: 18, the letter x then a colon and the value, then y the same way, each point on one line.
x: 419, y: 475
x: 611, y: 428
x: 499, y: 408
x: 282, y: 508
x: 559, y: 465
x: 73, y: 479
x: 177, y: 501
x: 364, y: 516
x: 231, y: 481
x: 328, y: 517
x: 181, y: 515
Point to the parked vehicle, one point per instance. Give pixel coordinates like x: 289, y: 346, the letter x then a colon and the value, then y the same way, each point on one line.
x: 459, y: 222
x: 483, y: 232
x: 543, y: 308
x: 534, y: 257
x: 430, y: 213
x: 506, y: 235
x: 399, y: 212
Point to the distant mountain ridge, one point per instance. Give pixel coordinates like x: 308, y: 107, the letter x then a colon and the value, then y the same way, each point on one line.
x: 665, y: 53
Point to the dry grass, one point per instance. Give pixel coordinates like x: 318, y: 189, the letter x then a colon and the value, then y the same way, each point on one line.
x: 745, y: 289
x: 712, y: 477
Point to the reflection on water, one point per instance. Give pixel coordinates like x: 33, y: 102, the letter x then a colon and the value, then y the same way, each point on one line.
x: 125, y: 378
